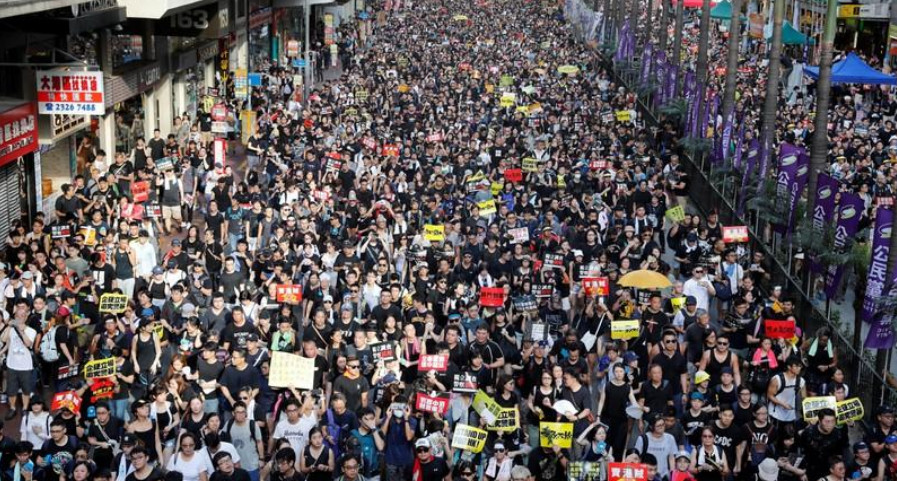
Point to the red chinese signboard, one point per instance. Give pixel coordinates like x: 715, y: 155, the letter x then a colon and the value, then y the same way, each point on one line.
x: 219, y: 112
x: 596, y: 286
x: 432, y: 404
x: 70, y: 92
x: 514, y: 175
x: 492, y: 296
x: 432, y: 362
x: 66, y: 400
x: 775, y: 329
x: 140, y: 191
x: 627, y: 472
x: 289, y: 293
x: 732, y: 234
x: 18, y: 133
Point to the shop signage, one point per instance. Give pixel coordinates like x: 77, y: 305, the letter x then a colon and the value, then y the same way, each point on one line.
x: 875, y: 10
x: 260, y: 17
x: 83, y: 8
x: 18, y: 133
x: 848, y: 11
x: 72, y: 92
x: 207, y: 51
x: 148, y: 77
x: 241, y: 83
x: 190, y: 23
x: 293, y: 48
x: 52, y: 128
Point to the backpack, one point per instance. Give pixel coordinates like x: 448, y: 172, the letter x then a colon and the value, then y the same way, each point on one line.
x: 230, y: 425
x: 48, y: 350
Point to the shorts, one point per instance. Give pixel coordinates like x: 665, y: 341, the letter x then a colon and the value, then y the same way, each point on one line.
x: 19, y: 381
x: 171, y: 212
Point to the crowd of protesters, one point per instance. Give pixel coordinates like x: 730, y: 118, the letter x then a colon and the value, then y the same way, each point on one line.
x: 339, y: 195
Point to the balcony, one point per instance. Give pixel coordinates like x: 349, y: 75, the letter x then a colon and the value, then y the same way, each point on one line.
x: 14, y: 8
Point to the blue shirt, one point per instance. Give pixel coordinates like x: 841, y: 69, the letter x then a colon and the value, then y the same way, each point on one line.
x: 399, y: 450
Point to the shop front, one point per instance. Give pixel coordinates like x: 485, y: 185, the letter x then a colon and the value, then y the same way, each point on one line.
x: 19, y: 181
x: 261, y: 34
x: 137, y: 101
x: 193, y: 71
x: 863, y: 28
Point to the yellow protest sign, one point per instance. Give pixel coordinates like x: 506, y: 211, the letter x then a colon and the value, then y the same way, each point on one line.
x: 486, y: 407
x: 113, y: 303
x: 507, y: 420
x: 489, y: 88
x: 362, y: 95
x: 460, y: 18
x: 469, y: 438
x: 506, y: 81
x: 556, y: 433
x: 562, y: 182
x: 291, y: 370
x: 403, y: 88
x: 479, y: 176
x: 487, y: 207
x: 849, y: 410
x: 623, y: 116
x: 507, y: 99
x: 434, y: 233
x: 496, y: 187
x: 677, y: 303
x: 568, y: 69
x: 676, y: 214
x: 624, y: 329
x: 530, y: 164
x: 535, y: 108
x: 523, y: 109
x: 99, y: 368
x: 812, y: 406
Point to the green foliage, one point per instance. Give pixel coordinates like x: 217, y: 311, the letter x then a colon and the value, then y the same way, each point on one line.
x: 674, y: 109
x: 696, y: 144
x: 764, y: 202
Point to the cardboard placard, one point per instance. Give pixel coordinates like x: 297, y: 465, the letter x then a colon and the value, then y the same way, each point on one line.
x: 153, y: 210
x: 775, y: 329
x: 465, y: 382
x: 66, y: 399
x: 735, y: 234
x: 584, y: 471
x: 68, y: 371
x: 469, y: 438
x: 542, y: 291
x: 362, y: 95
x: 849, y: 410
x: 487, y: 207
x: 289, y: 293
x: 506, y: 81
x: 514, y: 175
x: 384, y: 351
x: 590, y: 270
x: 434, y: 138
x: 390, y: 150
x: 140, y: 191
x: 507, y: 420
x: 165, y: 163
x: 677, y: 303
x: 113, y: 303
x: 61, y: 231
x: 102, y: 389
x: 495, y: 188
x: 596, y: 286
x: 598, y: 165
x: 437, y: 403
x: 291, y: 370
x: 812, y: 405
x: 492, y: 296
x: 624, y: 329
x: 676, y: 214
x: 627, y: 472
x: 508, y: 99
x: 433, y: 362
x: 556, y: 433
x: 538, y: 331
x: 527, y: 303
x: 519, y: 235
x: 99, y: 368
x: 90, y: 235
x: 486, y: 407
x: 434, y: 233
x: 530, y: 164
x: 553, y: 261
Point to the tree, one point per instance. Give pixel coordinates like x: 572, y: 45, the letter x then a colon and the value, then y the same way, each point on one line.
x: 701, y: 67
x: 677, y: 38
x: 732, y: 61
x: 664, y: 25
x: 819, y: 146
x: 767, y: 131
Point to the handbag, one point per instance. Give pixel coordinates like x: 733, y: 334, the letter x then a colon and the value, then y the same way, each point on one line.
x: 723, y: 290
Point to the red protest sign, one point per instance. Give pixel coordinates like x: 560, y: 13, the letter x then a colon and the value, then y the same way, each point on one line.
x: 140, y: 191
x: 775, y: 329
x: 492, y: 296
x: 514, y: 175
x: 738, y: 233
x: 433, y: 362
x: 598, y: 165
x: 596, y: 286
x: 432, y: 404
x: 390, y: 150
x: 627, y: 472
x: 289, y: 293
x: 66, y: 399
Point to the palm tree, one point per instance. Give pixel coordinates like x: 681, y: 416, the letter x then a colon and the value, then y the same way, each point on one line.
x: 677, y: 42
x: 767, y: 131
x: 701, y: 67
x: 664, y: 24
x: 819, y: 146
x: 732, y: 61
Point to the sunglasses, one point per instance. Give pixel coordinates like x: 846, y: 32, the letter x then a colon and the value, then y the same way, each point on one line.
x: 353, y: 366
x: 422, y: 450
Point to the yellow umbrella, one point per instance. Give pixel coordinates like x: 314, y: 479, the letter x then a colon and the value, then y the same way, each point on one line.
x: 645, y: 279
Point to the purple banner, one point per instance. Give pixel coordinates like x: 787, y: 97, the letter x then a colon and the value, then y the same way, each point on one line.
x: 765, y: 152
x: 739, y: 147
x: 849, y: 210
x: 647, y: 59
x: 881, y: 333
x: 750, y: 164
x: 786, y: 181
x: 878, y: 266
x: 822, y: 213
x: 727, y: 135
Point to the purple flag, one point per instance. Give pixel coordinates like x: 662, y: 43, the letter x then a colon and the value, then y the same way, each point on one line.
x: 786, y: 180
x: 825, y: 207
x: 726, y: 138
x: 752, y: 154
x: 765, y: 151
x: 646, y: 64
x: 881, y: 333
x: 849, y: 210
x: 739, y: 146
x: 878, y: 266
x: 671, y: 83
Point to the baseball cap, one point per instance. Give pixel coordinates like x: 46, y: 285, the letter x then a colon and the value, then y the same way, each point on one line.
x: 701, y: 376
x: 630, y: 356
x: 63, y: 311
x: 423, y: 443
x: 175, y: 242
x: 697, y: 395
x: 327, y: 298
x: 27, y: 275
x: 188, y: 310
x: 252, y: 338
x: 682, y: 454
x: 768, y: 470
x: 158, y: 270
x: 891, y: 439
x: 860, y: 446
x: 128, y: 440
x: 691, y: 301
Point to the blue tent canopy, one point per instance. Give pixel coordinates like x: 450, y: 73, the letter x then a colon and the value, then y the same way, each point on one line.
x: 852, y: 70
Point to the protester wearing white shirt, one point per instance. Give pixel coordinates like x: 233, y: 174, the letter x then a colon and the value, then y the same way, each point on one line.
x: 699, y: 287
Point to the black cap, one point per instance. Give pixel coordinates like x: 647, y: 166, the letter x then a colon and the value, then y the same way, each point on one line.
x: 128, y: 439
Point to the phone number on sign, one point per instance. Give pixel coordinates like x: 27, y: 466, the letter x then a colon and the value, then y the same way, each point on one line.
x: 62, y: 107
